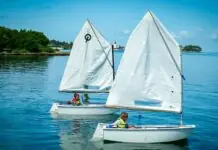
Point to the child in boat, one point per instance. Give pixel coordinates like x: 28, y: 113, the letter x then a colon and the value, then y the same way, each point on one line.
x: 122, y: 121
x: 76, y: 99
x: 86, y: 98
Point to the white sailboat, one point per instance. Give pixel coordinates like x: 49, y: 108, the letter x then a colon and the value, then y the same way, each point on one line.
x: 150, y: 71
x: 90, y: 69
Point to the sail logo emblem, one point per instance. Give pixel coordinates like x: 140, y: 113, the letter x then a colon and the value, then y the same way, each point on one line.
x: 88, y: 37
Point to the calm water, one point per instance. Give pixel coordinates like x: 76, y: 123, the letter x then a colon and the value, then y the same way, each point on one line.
x: 29, y: 85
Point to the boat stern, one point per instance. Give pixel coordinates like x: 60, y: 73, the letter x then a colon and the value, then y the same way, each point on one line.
x: 54, y: 107
x: 98, y: 135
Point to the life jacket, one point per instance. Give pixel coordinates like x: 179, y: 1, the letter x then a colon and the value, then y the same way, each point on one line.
x: 122, y: 123
x: 76, y: 101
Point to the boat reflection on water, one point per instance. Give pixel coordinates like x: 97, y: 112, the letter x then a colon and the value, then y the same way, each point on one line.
x: 75, y: 132
x: 181, y: 145
x: 105, y: 118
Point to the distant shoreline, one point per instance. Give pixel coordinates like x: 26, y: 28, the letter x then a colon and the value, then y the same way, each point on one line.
x: 38, y: 54
x: 59, y: 53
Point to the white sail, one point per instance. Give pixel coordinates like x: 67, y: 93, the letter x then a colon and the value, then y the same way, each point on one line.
x: 149, y: 71
x: 89, y: 67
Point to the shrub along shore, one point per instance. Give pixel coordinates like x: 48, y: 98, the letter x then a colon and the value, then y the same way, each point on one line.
x: 38, y: 54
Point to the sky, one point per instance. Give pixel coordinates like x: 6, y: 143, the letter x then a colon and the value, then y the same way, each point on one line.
x: 189, y: 21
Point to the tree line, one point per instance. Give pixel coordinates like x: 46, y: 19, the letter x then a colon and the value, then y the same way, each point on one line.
x: 191, y: 48
x: 62, y: 44
x: 22, y: 41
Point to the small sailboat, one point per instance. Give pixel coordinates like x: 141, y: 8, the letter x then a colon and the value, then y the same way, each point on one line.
x: 90, y: 69
x: 149, y: 78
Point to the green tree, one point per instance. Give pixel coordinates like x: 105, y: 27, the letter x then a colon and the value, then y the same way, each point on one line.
x: 28, y: 40
x: 192, y: 48
x: 64, y: 45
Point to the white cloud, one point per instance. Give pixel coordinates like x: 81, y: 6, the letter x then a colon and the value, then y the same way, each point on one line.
x: 214, y: 36
x: 181, y: 34
x: 175, y: 35
x: 126, y: 31
x: 199, y: 29
x: 184, y: 33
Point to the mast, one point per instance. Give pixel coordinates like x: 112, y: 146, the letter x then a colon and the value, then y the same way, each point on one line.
x: 113, y: 61
x: 112, y: 65
x: 181, y: 114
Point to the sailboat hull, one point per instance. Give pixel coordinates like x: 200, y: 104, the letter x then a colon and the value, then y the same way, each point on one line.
x: 88, y: 110
x: 146, y: 134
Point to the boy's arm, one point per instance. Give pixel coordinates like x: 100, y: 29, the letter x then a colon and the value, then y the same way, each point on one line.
x: 115, y: 124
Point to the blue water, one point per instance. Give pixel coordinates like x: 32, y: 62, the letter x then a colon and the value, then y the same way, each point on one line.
x: 29, y: 85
